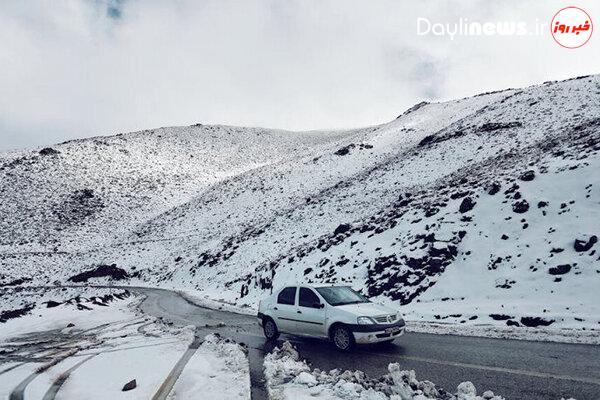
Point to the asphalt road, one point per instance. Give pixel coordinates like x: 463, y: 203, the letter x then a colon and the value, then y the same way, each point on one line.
x: 515, y: 369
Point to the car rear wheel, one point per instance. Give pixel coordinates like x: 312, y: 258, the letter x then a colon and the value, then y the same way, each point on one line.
x: 270, y: 329
x: 342, y: 338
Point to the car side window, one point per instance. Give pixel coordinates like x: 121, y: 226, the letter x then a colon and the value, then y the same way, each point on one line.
x: 287, y: 296
x: 308, y: 298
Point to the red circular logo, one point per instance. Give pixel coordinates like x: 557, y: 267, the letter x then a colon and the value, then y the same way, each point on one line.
x: 571, y: 27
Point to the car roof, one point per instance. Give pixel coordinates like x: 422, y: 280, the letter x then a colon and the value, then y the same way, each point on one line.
x: 310, y: 285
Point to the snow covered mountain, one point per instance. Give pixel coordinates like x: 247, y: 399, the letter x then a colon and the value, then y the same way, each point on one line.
x: 479, y: 210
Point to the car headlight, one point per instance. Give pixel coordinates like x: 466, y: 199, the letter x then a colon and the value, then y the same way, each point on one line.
x: 365, y: 321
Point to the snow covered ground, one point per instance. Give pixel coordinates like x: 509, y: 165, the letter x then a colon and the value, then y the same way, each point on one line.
x: 290, y: 378
x: 473, y: 213
x: 218, y: 370
x: 91, y: 352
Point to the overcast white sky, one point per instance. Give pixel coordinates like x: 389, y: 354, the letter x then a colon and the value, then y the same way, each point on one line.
x: 77, y: 68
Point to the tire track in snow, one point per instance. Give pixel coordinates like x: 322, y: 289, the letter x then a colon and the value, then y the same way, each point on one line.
x: 11, y: 368
x: 169, y: 382
x: 58, y: 382
x: 18, y: 393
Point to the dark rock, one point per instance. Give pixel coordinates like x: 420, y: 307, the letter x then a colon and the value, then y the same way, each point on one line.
x: 16, y: 282
x: 343, y: 151
x: 533, y: 322
x: 521, y: 206
x: 70, y: 325
x: 560, y: 269
x: 52, y: 303
x: 85, y: 194
x: 527, y: 176
x: 542, y: 204
x: 132, y: 384
x: 494, y: 126
x: 583, y: 245
x: 426, y: 140
x: 404, y: 278
x: 500, y: 317
x: 10, y: 314
x: 466, y: 205
x: 342, y: 228
x: 49, y: 151
x: 493, y: 188
x: 504, y: 237
x: 110, y: 271
x: 510, y: 322
x: 494, y: 264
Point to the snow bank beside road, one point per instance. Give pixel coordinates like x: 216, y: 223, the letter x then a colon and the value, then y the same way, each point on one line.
x: 290, y: 378
x: 219, y: 370
x: 561, y: 335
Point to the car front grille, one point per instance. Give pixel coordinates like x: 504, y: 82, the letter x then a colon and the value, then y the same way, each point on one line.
x: 386, y: 319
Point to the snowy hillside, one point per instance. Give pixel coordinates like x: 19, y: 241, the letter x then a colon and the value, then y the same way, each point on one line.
x: 474, y: 211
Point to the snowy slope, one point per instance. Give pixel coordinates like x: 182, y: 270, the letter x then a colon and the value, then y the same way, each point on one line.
x: 466, y: 211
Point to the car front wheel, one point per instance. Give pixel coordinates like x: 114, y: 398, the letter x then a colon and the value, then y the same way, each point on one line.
x: 342, y: 338
x: 270, y: 329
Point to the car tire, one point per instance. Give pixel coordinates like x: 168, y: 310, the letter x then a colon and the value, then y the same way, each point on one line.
x: 270, y: 329
x: 342, y: 338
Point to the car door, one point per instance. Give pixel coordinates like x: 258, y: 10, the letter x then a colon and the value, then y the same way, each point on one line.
x: 284, y: 310
x: 310, y: 313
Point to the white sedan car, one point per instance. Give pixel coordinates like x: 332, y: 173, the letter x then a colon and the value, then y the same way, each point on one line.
x: 335, y: 312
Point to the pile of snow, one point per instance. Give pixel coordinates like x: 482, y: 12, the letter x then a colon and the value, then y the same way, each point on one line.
x: 219, y: 370
x: 288, y: 377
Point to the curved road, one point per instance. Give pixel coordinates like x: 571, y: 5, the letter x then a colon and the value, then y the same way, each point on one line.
x: 515, y: 369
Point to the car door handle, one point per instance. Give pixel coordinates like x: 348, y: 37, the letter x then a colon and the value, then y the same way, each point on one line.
x: 299, y: 312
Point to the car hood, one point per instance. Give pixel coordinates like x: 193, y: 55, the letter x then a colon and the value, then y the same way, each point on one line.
x: 367, y: 309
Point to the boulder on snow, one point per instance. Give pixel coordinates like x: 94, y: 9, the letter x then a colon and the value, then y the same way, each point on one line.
x: 534, y: 322
x: 466, y: 205
x: 101, y: 271
x: 559, y: 270
x: 582, y: 245
x: 493, y: 188
x: 527, y: 176
x: 52, y: 303
x: 48, y: 151
x: 132, y: 384
x: 494, y: 126
x: 342, y: 228
x: 521, y: 206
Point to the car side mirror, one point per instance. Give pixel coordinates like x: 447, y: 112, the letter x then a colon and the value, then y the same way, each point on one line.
x: 318, y: 305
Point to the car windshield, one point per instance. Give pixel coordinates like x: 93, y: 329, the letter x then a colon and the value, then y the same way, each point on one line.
x: 341, y: 295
